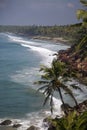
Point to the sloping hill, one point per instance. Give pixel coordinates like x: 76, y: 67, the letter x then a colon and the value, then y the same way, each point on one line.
x: 76, y: 58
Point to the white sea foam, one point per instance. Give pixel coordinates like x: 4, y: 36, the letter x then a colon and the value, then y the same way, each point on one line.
x: 47, y: 55
x: 21, y: 40
x: 27, y: 76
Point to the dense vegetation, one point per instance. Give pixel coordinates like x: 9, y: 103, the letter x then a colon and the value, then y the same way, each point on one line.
x: 71, y: 122
x: 68, y: 32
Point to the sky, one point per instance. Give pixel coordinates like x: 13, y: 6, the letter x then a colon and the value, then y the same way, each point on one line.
x: 38, y: 12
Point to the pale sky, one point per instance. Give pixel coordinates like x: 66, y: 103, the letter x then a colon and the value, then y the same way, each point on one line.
x: 38, y: 12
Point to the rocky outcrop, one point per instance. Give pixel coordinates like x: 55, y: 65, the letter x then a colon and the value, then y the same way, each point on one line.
x: 6, y: 122
x: 66, y: 108
x: 75, y: 61
x: 17, y: 125
x: 33, y: 128
x: 80, y: 108
x: 51, y: 127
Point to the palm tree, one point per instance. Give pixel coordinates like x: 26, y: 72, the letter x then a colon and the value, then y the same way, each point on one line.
x: 82, y: 13
x: 53, y: 80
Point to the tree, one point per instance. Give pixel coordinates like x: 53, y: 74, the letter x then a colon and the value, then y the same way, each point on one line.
x: 82, y: 13
x: 53, y: 79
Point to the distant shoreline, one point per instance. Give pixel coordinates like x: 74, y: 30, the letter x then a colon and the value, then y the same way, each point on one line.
x: 52, y: 39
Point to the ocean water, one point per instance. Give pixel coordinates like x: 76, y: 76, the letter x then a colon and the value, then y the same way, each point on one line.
x: 20, y: 60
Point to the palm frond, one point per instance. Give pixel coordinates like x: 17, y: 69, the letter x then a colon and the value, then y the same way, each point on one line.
x: 51, y: 103
x: 76, y: 87
x: 43, y: 87
x: 81, y: 14
x: 68, y: 91
x: 41, y: 82
x: 82, y: 121
x: 84, y: 2
x: 46, y: 99
x: 47, y: 91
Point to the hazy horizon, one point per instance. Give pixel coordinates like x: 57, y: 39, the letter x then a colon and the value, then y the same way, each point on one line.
x: 38, y: 12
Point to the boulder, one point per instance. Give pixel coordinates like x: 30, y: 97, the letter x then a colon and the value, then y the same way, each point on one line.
x: 46, y: 122
x: 6, y: 122
x: 52, y: 127
x: 17, y: 125
x: 33, y: 128
x: 66, y: 107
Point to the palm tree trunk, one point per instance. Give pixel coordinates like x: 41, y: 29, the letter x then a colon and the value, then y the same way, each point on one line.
x: 61, y: 97
x: 75, y: 101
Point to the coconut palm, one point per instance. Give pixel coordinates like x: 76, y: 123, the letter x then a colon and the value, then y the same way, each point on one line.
x: 52, y: 80
x: 82, y: 13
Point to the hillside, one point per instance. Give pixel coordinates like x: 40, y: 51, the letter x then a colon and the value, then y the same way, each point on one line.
x: 76, y: 59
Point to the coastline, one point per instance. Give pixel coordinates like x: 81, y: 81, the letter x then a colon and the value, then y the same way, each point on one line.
x: 52, y: 39
x: 10, y: 128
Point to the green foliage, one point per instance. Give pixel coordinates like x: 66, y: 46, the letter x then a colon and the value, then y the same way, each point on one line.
x: 82, y: 122
x: 84, y: 2
x: 67, y: 32
x: 71, y: 122
x: 53, y: 79
x: 82, y: 13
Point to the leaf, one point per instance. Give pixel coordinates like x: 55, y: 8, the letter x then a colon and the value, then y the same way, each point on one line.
x: 76, y: 87
x: 84, y: 2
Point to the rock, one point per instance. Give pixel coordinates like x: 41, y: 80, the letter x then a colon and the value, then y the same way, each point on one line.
x: 66, y: 108
x: 6, y: 122
x: 46, y: 120
x: 52, y: 128
x: 33, y: 128
x: 17, y: 125
x: 85, y: 102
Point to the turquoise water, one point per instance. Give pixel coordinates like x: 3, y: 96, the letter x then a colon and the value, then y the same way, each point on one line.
x: 20, y: 60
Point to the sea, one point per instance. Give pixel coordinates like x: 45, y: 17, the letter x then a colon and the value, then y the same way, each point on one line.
x: 20, y: 62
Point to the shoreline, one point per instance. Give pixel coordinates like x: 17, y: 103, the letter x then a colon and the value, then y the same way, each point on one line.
x: 82, y: 107
x: 52, y: 39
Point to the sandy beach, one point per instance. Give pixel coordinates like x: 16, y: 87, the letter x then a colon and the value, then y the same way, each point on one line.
x: 52, y: 39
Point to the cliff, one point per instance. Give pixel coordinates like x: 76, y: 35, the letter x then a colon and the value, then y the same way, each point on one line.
x: 76, y: 59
